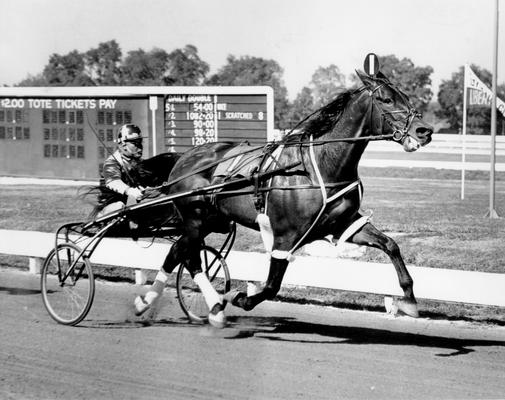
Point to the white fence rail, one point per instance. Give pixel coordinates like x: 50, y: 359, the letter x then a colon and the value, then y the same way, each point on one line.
x: 444, y: 152
x: 449, y: 144
x: 325, y: 272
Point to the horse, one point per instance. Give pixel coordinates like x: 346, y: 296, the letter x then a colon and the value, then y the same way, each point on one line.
x: 317, y: 191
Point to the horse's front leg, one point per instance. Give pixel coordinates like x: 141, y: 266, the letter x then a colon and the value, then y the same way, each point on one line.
x: 370, y: 236
x: 278, y: 265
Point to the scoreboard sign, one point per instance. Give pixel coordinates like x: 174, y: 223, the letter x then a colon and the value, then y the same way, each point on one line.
x: 196, y: 119
x: 68, y: 132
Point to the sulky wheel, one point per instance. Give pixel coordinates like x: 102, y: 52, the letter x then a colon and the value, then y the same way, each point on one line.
x: 67, y: 295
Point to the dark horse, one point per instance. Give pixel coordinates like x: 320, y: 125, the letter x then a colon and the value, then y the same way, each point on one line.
x: 318, y: 197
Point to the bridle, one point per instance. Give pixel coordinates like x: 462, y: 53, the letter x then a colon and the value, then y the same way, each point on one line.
x: 399, y: 132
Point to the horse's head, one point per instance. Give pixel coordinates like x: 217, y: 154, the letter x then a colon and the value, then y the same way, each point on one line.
x: 392, y: 113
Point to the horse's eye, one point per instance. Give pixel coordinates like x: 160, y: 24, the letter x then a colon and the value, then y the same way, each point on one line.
x: 387, y: 101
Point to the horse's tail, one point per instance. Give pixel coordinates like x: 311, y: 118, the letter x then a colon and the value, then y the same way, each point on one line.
x: 98, y: 196
x: 154, y: 171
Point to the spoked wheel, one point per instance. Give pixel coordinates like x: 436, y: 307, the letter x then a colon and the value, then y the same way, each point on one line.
x: 190, y: 297
x: 67, y: 296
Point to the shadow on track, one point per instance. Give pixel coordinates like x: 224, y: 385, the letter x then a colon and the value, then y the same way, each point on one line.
x: 18, y: 291
x: 291, y: 330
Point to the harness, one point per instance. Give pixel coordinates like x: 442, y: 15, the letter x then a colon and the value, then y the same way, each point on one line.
x: 398, y: 135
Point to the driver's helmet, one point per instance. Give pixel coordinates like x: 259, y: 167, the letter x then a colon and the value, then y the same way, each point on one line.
x: 129, y: 133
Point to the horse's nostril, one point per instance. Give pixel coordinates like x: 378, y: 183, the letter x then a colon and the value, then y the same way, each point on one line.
x: 423, y: 131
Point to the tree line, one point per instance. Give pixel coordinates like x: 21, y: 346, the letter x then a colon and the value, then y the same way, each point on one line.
x: 105, y: 65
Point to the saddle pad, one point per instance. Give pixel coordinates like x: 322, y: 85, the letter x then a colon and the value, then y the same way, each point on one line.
x: 238, y: 163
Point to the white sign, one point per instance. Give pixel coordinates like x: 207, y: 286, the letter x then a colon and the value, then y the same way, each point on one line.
x: 479, y: 93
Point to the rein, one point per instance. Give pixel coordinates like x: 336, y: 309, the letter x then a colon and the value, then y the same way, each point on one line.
x: 398, y: 135
x: 291, y: 143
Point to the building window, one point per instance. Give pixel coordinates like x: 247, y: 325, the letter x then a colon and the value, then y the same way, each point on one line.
x: 2, y: 115
x: 54, y: 117
x: 71, y: 117
x: 108, y: 118
x: 54, y: 133
x: 19, y: 134
x: 71, y: 134
x: 101, y: 118
x: 63, y: 134
x: 9, y: 132
x: 47, y: 133
x: 101, y: 134
x: 127, y: 117
x: 80, y: 151
x: 80, y: 134
x: 18, y: 116
x: 62, y: 117
x: 63, y: 151
x: 26, y: 133
x: 80, y: 117
x: 71, y: 151
x: 47, y: 150
x: 46, y: 117
x: 101, y: 152
x: 119, y: 118
x: 2, y: 132
x: 55, y: 150
x: 110, y: 135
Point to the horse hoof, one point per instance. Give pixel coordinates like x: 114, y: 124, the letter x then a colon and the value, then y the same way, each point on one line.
x: 217, y: 318
x: 232, y: 296
x: 408, y: 308
x: 141, y: 306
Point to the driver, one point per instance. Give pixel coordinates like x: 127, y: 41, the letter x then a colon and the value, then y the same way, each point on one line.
x: 120, y: 169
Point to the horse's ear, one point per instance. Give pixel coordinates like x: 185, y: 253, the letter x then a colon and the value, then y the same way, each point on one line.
x: 380, y: 75
x: 366, y: 79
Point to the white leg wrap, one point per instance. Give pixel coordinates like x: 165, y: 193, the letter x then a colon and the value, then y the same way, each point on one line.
x: 155, y: 291
x: 209, y: 293
x: 161, y: 276
x: 283, y: 255
x: 353, y: 228
x: 266, y: 232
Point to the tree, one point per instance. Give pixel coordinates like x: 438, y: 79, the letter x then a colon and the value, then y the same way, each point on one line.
x: 250, y: 71
x: 66, y: 70
x: 33, y: 80
x: 185, y: 68
x: 301, y: 107
x: 414, y: 81
x: 450, y: 98
x: 141, y: 68
x: 325, y: 84
x: 103, y: 64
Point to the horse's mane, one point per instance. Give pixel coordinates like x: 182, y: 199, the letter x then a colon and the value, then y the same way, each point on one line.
x: 324, y: 119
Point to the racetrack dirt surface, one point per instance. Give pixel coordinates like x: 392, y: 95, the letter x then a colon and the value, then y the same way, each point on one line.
x: 277, y: 351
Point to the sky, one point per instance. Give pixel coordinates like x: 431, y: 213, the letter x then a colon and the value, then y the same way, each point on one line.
x: 300, y: 35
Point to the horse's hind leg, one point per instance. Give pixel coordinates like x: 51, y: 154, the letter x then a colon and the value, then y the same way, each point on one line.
x: 174, y: 257
x: 187, y: 250
x: 370, y: 236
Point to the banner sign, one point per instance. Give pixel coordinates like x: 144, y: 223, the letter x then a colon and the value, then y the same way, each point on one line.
x: 479, y: 94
